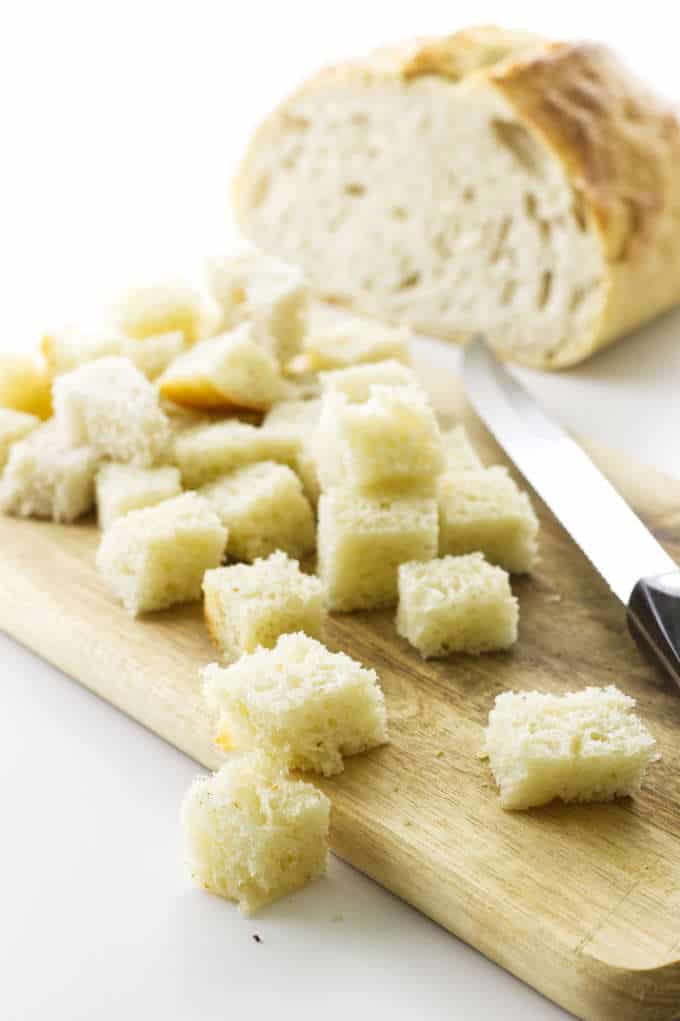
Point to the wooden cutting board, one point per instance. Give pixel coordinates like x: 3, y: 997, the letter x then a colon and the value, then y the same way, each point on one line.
x: 582, y: 902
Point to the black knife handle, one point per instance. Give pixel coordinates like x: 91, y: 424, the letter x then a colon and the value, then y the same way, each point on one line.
x: 654, y: 620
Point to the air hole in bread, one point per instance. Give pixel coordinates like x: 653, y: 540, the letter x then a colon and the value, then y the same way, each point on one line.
x: 354, y: 188
x: 544, y: 289
x: 399, y: 213
x: 260, y: 190
x: 294, y: 122
x: 578, y: 210
x: 503, y: 231
x: 508, y: 292
x: 468, y: 194
x: 441, y: 246
x: 530, y: 205
x: 519, y: 143
x: 360, y: 119
x: 407, y: 282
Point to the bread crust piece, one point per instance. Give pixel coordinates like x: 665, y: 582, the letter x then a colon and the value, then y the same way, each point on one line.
x: 617, y: 142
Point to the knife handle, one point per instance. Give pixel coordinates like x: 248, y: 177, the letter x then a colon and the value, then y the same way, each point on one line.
x: 654, y: 620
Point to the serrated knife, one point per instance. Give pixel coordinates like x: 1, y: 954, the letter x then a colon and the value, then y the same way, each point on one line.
x: 625, y: 553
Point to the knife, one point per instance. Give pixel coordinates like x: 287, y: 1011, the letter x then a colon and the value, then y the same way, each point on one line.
x: 626, y: 554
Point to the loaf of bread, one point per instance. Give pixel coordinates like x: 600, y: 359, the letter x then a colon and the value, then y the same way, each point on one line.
x: 355, y: 382
x: 456, y: 604
x: 584, y: 746
x: 264, y: 508
x: 228, y: 371
x: 362, y: 540
x: 247, y: 605
x: 156, y: 557
x: 354, y: 342
x: 120, y: 488
x: 484, y: 511
x: 272, y: 296
x: 25, y: 384
x: 252, y: 834
x: 299, y: 703
x: 111, y: 406
x: 166, y: 307
x: 389, y: 442
x: 14, y: 426
x: 45, y: 477
x: 484, y: 181
x: 203, y: 453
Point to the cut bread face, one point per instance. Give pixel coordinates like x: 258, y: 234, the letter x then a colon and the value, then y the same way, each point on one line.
x: 300, y: 703
x: 203, y: 453
x: 252, y: 834
x: 459, y: 454
x: 356, y: 381
x: 444, y: 210
x: 484, y: 511
x: 228, y: 371
x: 66, y: 349
x: 45, y: 477
x: 456, y: 604
x: 264, y: 508
x: 584, y: 746
x: 14, y: 426
x: 25, y: 384
x: 272, y: 295
x: 299, y: 420
x: 353, y: 342
x: 121, y: 488
x: 167, y: 307
x: 247, y: 605
x: 156, y: 557
x: 362, y: 540
x: 391, y: 442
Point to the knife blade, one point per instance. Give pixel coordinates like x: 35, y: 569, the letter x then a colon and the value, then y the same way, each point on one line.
x: 637, y: 569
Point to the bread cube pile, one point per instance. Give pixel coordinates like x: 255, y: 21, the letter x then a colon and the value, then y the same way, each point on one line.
x: 282, y: 467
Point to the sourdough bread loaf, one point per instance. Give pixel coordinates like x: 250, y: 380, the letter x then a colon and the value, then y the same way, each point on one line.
x: 486, y: 181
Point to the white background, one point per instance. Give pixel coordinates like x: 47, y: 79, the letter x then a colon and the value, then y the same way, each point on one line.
x: 121, y: 124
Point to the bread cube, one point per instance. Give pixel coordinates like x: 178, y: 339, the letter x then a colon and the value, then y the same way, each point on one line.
x: 109, y: 405
x: 66, y: 349
x: 484, y: 511
x: 459, y: 453
x: 299, y: 703
x: 247, y: 605
x: 269, y: 293
x: 227, y: 371
x: 353, y: 342
x: 583, y: 746
x: 356, y: 381
x: 362, y: 541
x: 153, y: 355
x: 168, y: 307
x: 391, y: 442
x: 121, y: 488
x: 264, y: 508
x: 456, y: 604
x: 206, y: 452
x: 47, y: 478
x: 252, y: 834
x: 299, y: 419
x: 14, y: 426
x: 156, y: 557
x: 25, y: 384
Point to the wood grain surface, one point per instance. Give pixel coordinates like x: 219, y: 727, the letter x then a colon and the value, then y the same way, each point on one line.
x: 580, y: 901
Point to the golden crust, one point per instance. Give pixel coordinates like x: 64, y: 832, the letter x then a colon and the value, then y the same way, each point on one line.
x: 618, y: 143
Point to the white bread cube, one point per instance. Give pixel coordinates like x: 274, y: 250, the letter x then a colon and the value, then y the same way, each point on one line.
x: 456, y: 604
x: 111, y: 406
x: 25, y: 384
x: 66, y: 349
x: 252, y: 834
x: 459, y: 453
x: 391, y: 442
x: 153, y: 355
x: 362, y: 541
x: 224, y: 372
x: 583, y: 746
x: 14, y: 426
x: 299, y: 419
x: 121, y: 488
x: 156, y: 557
x: 168, y: 307
x: 247, y: 605
x: 269, y: 293
x: 356, y: 381
x: 265, y: 509
x: 353, y: 342
x: 298, y: 702
x: 484, y: 511
x: 206, y: 452
x: 47, y: 478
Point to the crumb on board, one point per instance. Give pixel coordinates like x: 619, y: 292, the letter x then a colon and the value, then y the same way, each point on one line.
x: 257, y: 937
